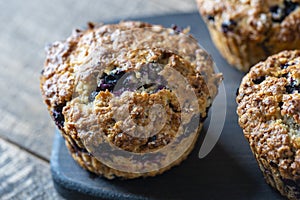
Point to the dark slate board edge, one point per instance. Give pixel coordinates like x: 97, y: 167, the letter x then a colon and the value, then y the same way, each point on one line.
x: 69, y: 189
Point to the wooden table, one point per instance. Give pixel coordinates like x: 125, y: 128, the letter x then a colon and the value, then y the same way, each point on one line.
x: 26, y: 131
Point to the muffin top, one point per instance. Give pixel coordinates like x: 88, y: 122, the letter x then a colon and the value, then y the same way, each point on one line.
x: 269, y: 111
x: 132, y: 87
x: 66, y: 58
x: 256, y: 20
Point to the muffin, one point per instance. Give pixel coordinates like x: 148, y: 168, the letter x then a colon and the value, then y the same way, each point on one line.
x: 269, y: 114
x: 248, y: 31
x: 128, y: 98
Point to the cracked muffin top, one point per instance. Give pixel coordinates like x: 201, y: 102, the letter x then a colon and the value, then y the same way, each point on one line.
x: 258, y: 20
x: 64, y: 59
x: 107, y: 84
x: 269, y: 111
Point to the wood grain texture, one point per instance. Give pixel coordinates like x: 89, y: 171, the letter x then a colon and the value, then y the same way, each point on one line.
x: 23, y: 176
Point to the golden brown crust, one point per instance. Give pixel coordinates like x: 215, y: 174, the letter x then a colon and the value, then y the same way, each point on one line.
x: 249, y: 31
x: 268, y: 110
x: 89, y: 111
x: 89, y: 162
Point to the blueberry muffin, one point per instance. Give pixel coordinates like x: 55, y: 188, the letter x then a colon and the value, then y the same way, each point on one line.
x: 269, y: 114
x: 248, y: 31
x: 129, y: 98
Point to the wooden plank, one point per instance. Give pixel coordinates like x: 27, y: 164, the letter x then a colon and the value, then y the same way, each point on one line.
x: 24, y: 176
x: 26, y: 27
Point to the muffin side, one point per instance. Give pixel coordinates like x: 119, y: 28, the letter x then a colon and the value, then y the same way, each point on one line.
x: 268, y: 109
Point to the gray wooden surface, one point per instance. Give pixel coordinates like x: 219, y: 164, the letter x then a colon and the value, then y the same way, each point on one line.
x: 26, y: 131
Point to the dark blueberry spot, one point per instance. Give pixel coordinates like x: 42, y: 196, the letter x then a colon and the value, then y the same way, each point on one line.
x: 280, y: 13
x: 284, y: 66
x: 105, y: 86
x: 110, y: 79
x: 152, y: 139
x: 176, y: 28
x: 285, y: 75
x: 118, y: 81
x: 42, y: 72
x: 107, y: 82
x: 58, y: 116
x: 174, y: 109
x: 277, y: 13
x: 289, y: 89
x: 228, y: 26
x: 292, y: 87
x: 160, y: 87
x: 273, y: 164
x: 290, y: 6
x: 259, y: 80
x: 280, y: 104
x: 274, y: 9
x: 211, y: 18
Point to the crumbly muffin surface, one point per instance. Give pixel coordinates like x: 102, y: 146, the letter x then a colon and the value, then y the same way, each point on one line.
x: 107, y: 85
x: 254, y: 19
x: 63, y: 58
x: 248, y: 31
x: 268, y: 109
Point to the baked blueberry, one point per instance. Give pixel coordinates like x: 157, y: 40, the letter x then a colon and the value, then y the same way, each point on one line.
x: 58, y: 116
x: 279, y: 13
x: 228, y: 26
x: 259, y: 80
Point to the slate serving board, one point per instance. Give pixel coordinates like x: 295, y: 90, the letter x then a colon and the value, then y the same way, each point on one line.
x: 229, y: 171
